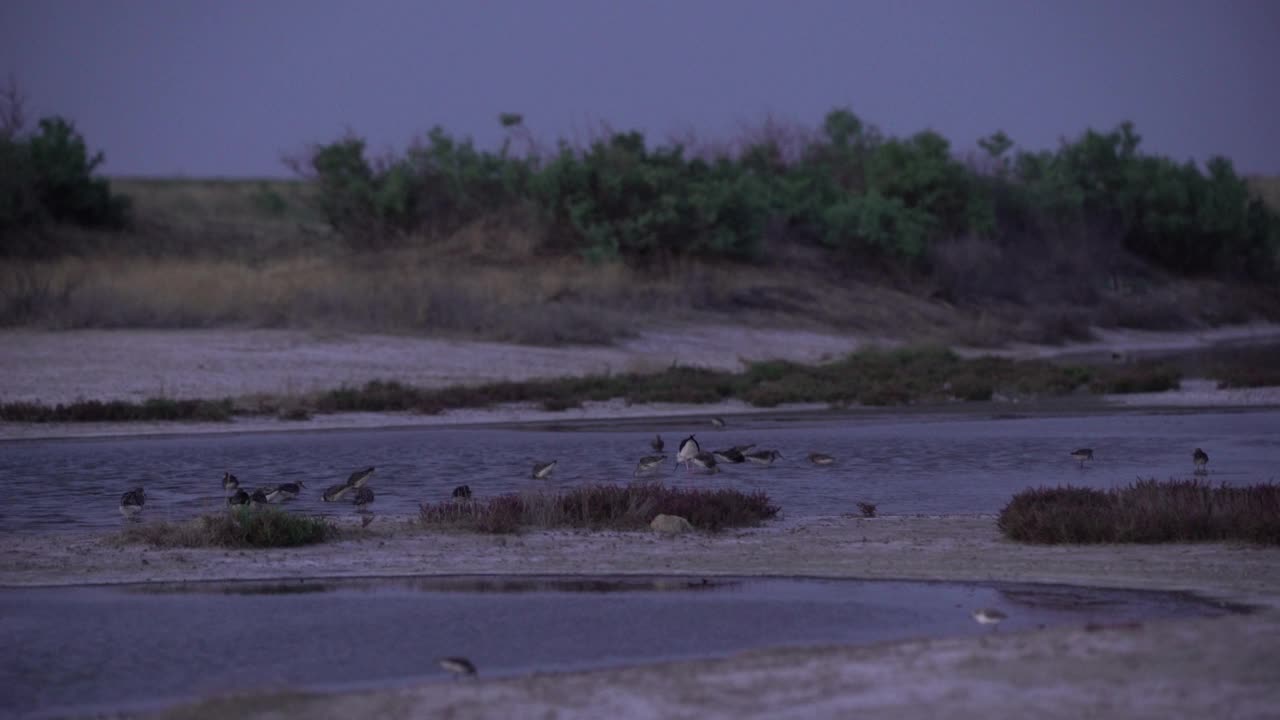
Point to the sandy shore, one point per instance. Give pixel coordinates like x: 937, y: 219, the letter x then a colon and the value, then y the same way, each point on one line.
x: 1226, y: 666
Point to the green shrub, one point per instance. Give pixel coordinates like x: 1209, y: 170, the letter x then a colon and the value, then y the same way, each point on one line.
x: 242, y: 527
x: 47, y: 178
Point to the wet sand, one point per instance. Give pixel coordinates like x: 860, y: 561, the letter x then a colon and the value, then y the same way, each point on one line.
x: 1160, y: 669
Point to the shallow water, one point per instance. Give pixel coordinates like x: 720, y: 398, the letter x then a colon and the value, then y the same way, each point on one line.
x: 902, y: 463
x: 97, y: 648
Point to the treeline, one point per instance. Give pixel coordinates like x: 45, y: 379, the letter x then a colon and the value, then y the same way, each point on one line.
x: 48, y: 179
x: 845, y: 186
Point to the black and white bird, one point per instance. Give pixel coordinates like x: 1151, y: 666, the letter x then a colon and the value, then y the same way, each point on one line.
x: 649, y: 463
x: 335, y: 493
x: 258, y: 497
x: 363, y: 498
x: 1080, y: 455
x: 230, y: 483
x: 705, y: 461
x: 763, y: 457
x: 286, y: 491
x: 462, y: 492
x: 459, y: 666
x: 821, y: 459
x: 131, y: 502
x: 543, y: 470
x: 1201, y: 459
x: 988, y: 616
x: 688, y: 449
x: 238, y: 498
x: 360, y: 477
x: 732, y: 456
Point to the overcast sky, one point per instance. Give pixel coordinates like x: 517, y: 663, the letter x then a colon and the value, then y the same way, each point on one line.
x: 224, y: 87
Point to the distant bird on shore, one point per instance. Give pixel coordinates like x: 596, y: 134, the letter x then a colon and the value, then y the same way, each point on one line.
x: 821, y: 459
x: 259, y: 497
x: 335, y: 493
x: 657, y: 444
x: 732, y: 456
x: 688, y: 449
x: 459, y: 666
x: 360, y: 477
x: 131, y: 502
x: 238, y: 498
x: 462, y: 492
x: 542, y: 471
x: 230, y: 483
x: 286, y: 491
x: 649, y: 463
x: 363, y: 499
x: 1081, y: 455
x: 989, y: 616
x: 1201, y: 459
x: 717, y: 422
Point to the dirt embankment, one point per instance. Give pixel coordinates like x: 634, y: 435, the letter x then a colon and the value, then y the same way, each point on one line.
x: 1225, y: 667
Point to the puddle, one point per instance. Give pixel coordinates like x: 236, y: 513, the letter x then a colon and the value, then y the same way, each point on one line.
x: 96, y: 649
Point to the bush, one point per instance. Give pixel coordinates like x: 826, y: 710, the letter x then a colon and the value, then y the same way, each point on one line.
x: 243, y: 527
x: 599, y: 507
x: 1144, y: 512
x: 47, y: 178
x: 846, y: 186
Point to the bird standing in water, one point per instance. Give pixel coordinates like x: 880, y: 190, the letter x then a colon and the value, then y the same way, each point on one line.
x: 131, y: 502
x: 1201, y: 459
x: 1081, y: 455
x: 689, y: 448
x: 543, y: 470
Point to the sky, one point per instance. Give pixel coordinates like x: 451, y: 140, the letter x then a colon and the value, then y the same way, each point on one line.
x: 226, y: 87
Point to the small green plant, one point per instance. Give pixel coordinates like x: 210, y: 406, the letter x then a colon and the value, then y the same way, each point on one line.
x: 243, y: 527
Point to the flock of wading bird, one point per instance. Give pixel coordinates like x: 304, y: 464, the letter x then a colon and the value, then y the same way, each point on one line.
x: 689, y: 454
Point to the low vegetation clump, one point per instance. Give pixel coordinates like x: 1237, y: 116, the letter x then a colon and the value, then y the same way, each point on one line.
x: 603, y: 507
x: 119, y: 411
x: 1147, y: 511
x: 869, y: 377
x: 243, y: 527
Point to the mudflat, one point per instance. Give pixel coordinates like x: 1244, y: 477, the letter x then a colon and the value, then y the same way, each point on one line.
x: 1185, y: 668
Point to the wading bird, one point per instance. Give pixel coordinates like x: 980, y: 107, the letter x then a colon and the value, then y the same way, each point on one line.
x: 763, y: 457
x: 543, y: 470
x: 688, y: 449
x: 131, y: 502
x: 1081, y: 455
x: 821, y: 459
x: 1201, y: 459
x: 459, y: 666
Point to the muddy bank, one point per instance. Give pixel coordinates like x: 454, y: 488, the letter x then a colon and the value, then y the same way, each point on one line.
x: 1157, y: 670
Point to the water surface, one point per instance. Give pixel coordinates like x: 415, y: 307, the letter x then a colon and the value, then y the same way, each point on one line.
x: 955, y: 463
x: 92, y: 649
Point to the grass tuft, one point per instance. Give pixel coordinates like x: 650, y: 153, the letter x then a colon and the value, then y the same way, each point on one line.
x: 119, y: 411
x: 1147, y: 511
x: 234, y: 528
x: 603, y: 507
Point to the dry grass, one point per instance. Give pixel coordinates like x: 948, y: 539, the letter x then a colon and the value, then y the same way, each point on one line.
x: 1145, y: 512
x: 603, y: 507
